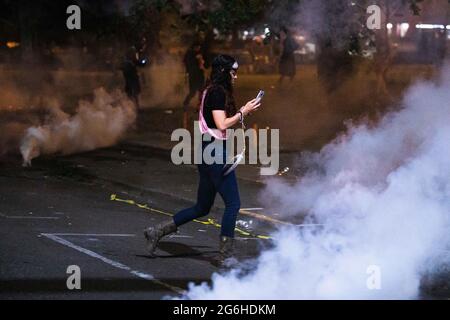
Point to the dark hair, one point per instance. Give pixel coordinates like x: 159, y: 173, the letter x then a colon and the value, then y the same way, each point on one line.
x: 221, y: 77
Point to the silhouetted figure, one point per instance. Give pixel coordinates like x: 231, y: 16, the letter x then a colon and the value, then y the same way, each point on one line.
x: 287, y: 60
x: 143, y: 58
x: 195, y: 66
x: 130, y: 73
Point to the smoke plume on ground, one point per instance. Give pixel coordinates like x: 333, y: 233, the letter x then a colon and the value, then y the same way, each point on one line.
x: 96, y: 124
x: 381, y: 194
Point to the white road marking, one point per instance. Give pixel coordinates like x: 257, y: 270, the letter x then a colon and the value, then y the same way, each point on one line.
x: 180, y: 236
x: 94, y: 234
x: 27, y: 217
x: 252, y: 209
x: 110, y: 262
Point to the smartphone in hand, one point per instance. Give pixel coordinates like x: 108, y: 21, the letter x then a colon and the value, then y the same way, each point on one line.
x: 260, y: 95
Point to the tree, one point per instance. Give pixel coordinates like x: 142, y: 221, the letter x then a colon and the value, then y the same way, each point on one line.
x: 336, y: 27
x: 384, y: 51
x: 233, y: 14
x: 281, y: 13
x: 145, y: 21
x: 40, y: 24
x: 342, y: 37
x: 34, y: 22
x: 227, y: 16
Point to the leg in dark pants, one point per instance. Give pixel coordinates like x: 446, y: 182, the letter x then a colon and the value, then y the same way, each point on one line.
x: 205, y: 198
x: 211, y: 182
x: 229, y: 192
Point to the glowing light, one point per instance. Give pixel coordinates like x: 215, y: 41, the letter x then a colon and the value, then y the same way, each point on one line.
x: 389, y: 26
x: 429, y: 26
x: 12, y: 44
x: 404, y: 27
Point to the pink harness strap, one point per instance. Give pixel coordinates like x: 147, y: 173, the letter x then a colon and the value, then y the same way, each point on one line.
x: 216, y: 133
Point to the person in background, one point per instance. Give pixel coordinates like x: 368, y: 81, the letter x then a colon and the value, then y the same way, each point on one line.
x: 195, y: 67
x: 287, y: 59
x: 131, y: 76
x: 143, y: 58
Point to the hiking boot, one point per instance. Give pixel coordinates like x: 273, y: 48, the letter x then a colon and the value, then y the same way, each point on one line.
x: 154, y: 234
x: 226, y: 258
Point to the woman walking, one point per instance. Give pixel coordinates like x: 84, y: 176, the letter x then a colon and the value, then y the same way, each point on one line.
x: 218, y: 112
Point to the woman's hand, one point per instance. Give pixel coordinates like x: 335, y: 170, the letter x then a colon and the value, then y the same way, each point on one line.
x: 223, y: 123
x: 251, y: 106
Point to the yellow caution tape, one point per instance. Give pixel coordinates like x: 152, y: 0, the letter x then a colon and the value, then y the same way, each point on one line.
x: 209, y: 222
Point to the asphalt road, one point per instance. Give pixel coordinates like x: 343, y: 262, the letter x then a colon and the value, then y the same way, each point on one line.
x: 54, y: 215
x: 60, y: 213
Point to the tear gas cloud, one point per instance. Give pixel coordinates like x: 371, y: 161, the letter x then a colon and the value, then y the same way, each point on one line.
x: 381, y: 193
x: 28, y: 96
x: 327, y: 18
x: 96, y: 124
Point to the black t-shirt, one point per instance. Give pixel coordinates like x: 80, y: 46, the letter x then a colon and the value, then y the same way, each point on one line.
x: 215, y: 100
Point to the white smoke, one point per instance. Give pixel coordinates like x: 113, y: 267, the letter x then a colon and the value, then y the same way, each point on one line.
x: 96, y: 124
x: 382, y: 194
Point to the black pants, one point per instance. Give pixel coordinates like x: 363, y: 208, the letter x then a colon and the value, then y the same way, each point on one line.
x: 212, y: 181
